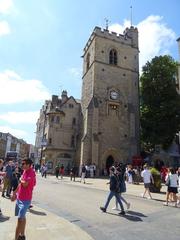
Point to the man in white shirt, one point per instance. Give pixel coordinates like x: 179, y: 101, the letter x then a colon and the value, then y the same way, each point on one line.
x: 147, y: 178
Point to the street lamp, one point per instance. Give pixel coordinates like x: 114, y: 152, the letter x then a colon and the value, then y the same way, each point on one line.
x: 43, y: 140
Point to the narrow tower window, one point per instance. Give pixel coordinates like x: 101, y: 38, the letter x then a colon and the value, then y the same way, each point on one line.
x: 113, y: 57
x: 87, y: 61
x: 72, y: 141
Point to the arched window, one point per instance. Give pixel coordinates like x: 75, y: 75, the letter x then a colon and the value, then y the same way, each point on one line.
x: 52, y: 119
x: 57, y: 119
x: 113, y: 57
x: 87, y: 61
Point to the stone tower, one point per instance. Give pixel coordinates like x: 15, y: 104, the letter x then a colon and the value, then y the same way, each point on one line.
x: 110, y: 97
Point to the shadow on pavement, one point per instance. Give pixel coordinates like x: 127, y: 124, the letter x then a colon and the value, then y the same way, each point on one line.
x: 136, y: 213
x: 4, y: 218
x: 37, y: 212
x: 159, y: 200
x: 86, y: 183
x: 127, y: 216
x: 132, y: 218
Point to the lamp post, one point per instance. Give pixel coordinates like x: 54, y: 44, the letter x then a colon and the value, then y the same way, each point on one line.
x: 43, y: 140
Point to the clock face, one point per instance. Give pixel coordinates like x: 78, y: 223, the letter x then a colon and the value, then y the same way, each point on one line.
x: 114, y: 95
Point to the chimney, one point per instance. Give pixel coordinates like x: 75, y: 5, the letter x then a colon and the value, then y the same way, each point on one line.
x: 64, y: 96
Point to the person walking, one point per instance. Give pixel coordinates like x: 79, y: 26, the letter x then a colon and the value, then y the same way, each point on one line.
x: 122, y: 187
x: 147, y: 178
x: 62, y: 171
x: 83, y: 173
x: 23, y: 197
x: 114, y: 191
x: 57, y: 171
x: 73, y: 173
x: 44, y: 170
x: 2, y: 174
x: 7, y: 180
x: 172, y: 186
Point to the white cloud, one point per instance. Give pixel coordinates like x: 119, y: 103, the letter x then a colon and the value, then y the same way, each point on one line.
x: 15, y: 89
x: 20, y: 117
x: 15, y: 132
x: 155, y: 38
x: 4, y: 28
x: 75, y: 72
x: 6, y: 6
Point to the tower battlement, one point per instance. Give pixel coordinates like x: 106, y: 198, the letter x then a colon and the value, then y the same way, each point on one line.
x: 129, y: 36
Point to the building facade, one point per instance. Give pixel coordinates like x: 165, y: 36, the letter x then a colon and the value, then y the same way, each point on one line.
x: 58, y: 129
x: 106, y: 125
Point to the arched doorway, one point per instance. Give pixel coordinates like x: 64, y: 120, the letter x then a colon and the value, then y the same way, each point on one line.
x: 109, y: 162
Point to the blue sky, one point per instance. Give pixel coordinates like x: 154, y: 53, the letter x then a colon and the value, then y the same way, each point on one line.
x: 41, y: 43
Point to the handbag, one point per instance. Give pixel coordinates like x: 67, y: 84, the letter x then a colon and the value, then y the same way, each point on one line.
x: 167, y: 183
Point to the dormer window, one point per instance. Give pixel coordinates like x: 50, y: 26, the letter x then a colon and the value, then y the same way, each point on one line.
x: 113, y: 57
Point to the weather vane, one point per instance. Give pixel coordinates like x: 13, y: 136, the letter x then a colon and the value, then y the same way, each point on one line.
x: 107, y: 23
x: 61, y: 86
x: 131, y: 14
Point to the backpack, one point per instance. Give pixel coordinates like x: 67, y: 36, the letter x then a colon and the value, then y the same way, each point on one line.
x: 117, y: 188
x: 83, y: 169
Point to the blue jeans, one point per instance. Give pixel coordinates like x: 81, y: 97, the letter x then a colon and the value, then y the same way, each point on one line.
x: 117, y: 196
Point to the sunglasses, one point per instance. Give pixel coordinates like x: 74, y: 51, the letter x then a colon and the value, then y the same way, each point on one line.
x: 23, y: 164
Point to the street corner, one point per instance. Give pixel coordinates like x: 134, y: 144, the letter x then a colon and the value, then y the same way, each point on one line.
x: 39, y: 223
x: 51, y: 226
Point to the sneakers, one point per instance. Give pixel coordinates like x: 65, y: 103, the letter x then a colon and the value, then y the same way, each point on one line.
x: 103, y: 209
x: 128, y: 206
x: 122, y: 213
x: 21, y: 238
x: 150, y: 198
x: 115, y: 208
x: 165, y: 204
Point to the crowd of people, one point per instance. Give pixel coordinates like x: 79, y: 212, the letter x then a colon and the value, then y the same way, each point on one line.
x: 120, y: 174
x: 17, y: 182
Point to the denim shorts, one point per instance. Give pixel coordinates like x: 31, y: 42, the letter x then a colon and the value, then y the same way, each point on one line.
x: 21, y: 208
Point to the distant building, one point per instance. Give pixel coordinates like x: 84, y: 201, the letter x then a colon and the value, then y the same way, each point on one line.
x: 3, y: 144
x: 104, y: 127
x: 11, y: 146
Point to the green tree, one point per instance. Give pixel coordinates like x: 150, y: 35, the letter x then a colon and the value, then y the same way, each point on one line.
x: 160, y: 102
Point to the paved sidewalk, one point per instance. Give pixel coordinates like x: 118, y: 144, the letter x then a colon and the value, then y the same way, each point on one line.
x: 41, y: 225
x: 101, y: 184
